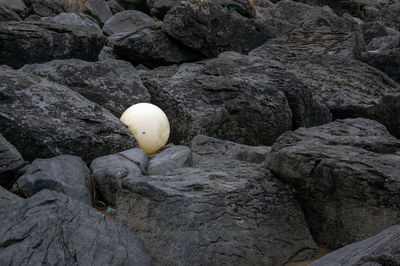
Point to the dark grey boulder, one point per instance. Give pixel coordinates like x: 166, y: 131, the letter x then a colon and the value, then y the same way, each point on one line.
x: 7, y: 14
x: 76, y: 19
x: 387, y: 42
x: 43, y: 119
x: 113, y: 84
x: 227, y: 213
x: 150, y: 47
x: 387, y: 60
x: 10, y: 160
x: 45, y: 8
x: 36, y: 42
x: 97, y: 9
x: 381, y: 249
x: 211, y: 28
x: 134, y: 4
x: 7, y: 198
x: 66, y: 174
x: 51, y: 228
x: 342, y: 172
x: 15, y: 7
x: 373, y: 30
x: 109, y: 170
x: 169, y: 159
x: 232, y: 97
x: 114, y: 6
x: 129, y: 21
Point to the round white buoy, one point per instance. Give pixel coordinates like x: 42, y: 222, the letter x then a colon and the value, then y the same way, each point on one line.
x: 148, y: 124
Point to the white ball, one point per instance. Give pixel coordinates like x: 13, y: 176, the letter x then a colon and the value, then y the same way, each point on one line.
x: 148, y: 124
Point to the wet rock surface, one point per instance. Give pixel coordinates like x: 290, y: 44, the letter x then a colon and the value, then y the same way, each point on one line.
x: 344, y: 171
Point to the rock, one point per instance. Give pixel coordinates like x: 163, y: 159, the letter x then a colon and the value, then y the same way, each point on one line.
x: 10, y: 160
x: 170, y: 158
x: 64, y: 231
x: 231, y: 97
x: 145, y: 46
x: 36, y: 42
x: 74, y: 19
x: 390, y: 15
x: 387, y: 60
x: 109, y: 170
x: 217, y: 214
x: 114, y: 6
x: 66, y: 174
x: 383, y: 43
x: 98, y: 9
x: 45, y: 8
x: 159, y: 8
x: 373, y: 30
x: 381, y: 249
x: 134, y: 4
x: 7, y: 198
x: 7, y: 14
x: 342, y: 172
x: 113, y: 84
x: 129, y: 21
x: 17, y: 6
x: 211, y: 29
x: 44, y: 119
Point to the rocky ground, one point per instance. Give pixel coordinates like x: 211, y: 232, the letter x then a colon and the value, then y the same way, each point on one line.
x: 285, y: 132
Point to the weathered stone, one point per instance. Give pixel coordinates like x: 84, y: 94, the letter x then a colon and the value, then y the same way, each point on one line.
x: 342, y: 172
x: 150, y: 47
x: 219, y: 214
x: 98, y: 9
x: 7, y: 198
x: 114, y: 6
x: 129, y: 21
x: 109, y: 170
x: 170, y: 158
x: 387, y: 61
x: 82, y: 20
x: 211, y: 29
x: 223, y: 98
x: 36, y: 42
x: 44, y: 119
x: 7, y: 14
x: 113, y: 84
x: 45, y: 8
x: 10, y: 160
x: 51, y: 228
x: 65, y: 174
x: 381, y: 249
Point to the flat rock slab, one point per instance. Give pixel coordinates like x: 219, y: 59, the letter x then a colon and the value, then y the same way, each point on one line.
x: 381, y: 249
x: 169, y: 159
x: 113, y: 84
x: 43, y: 119
x: 66, y: 174
x: 10, y: 160
x: 218, y: 214
x: 51, y: 228
x: 29, y: 42
x: 344, y: 171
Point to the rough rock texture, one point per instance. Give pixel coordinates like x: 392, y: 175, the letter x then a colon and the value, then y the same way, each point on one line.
x: 109, y: 170
x: 169, y: 159
x: 219, y: 214
x: 223, y: 98
x: 381, y: 249
x: 129, y: 21
x: 212, y: 29
x: 74, y: 19
x: 134, y: 4
x: 7, y: 14
x: 7, y: 198
x: 114, y: 6
x: 36, y: 42
x: 98, y: 9
x: 151, y: 47
x: 17, y: 6
x: 343, y: 172
x: 51, y: 228
x: 373, y: 30
x: 66, y: 174
x: 113, y: 84
x: 43, y: 119
x: 45, y: 8
x: 10, y: 160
